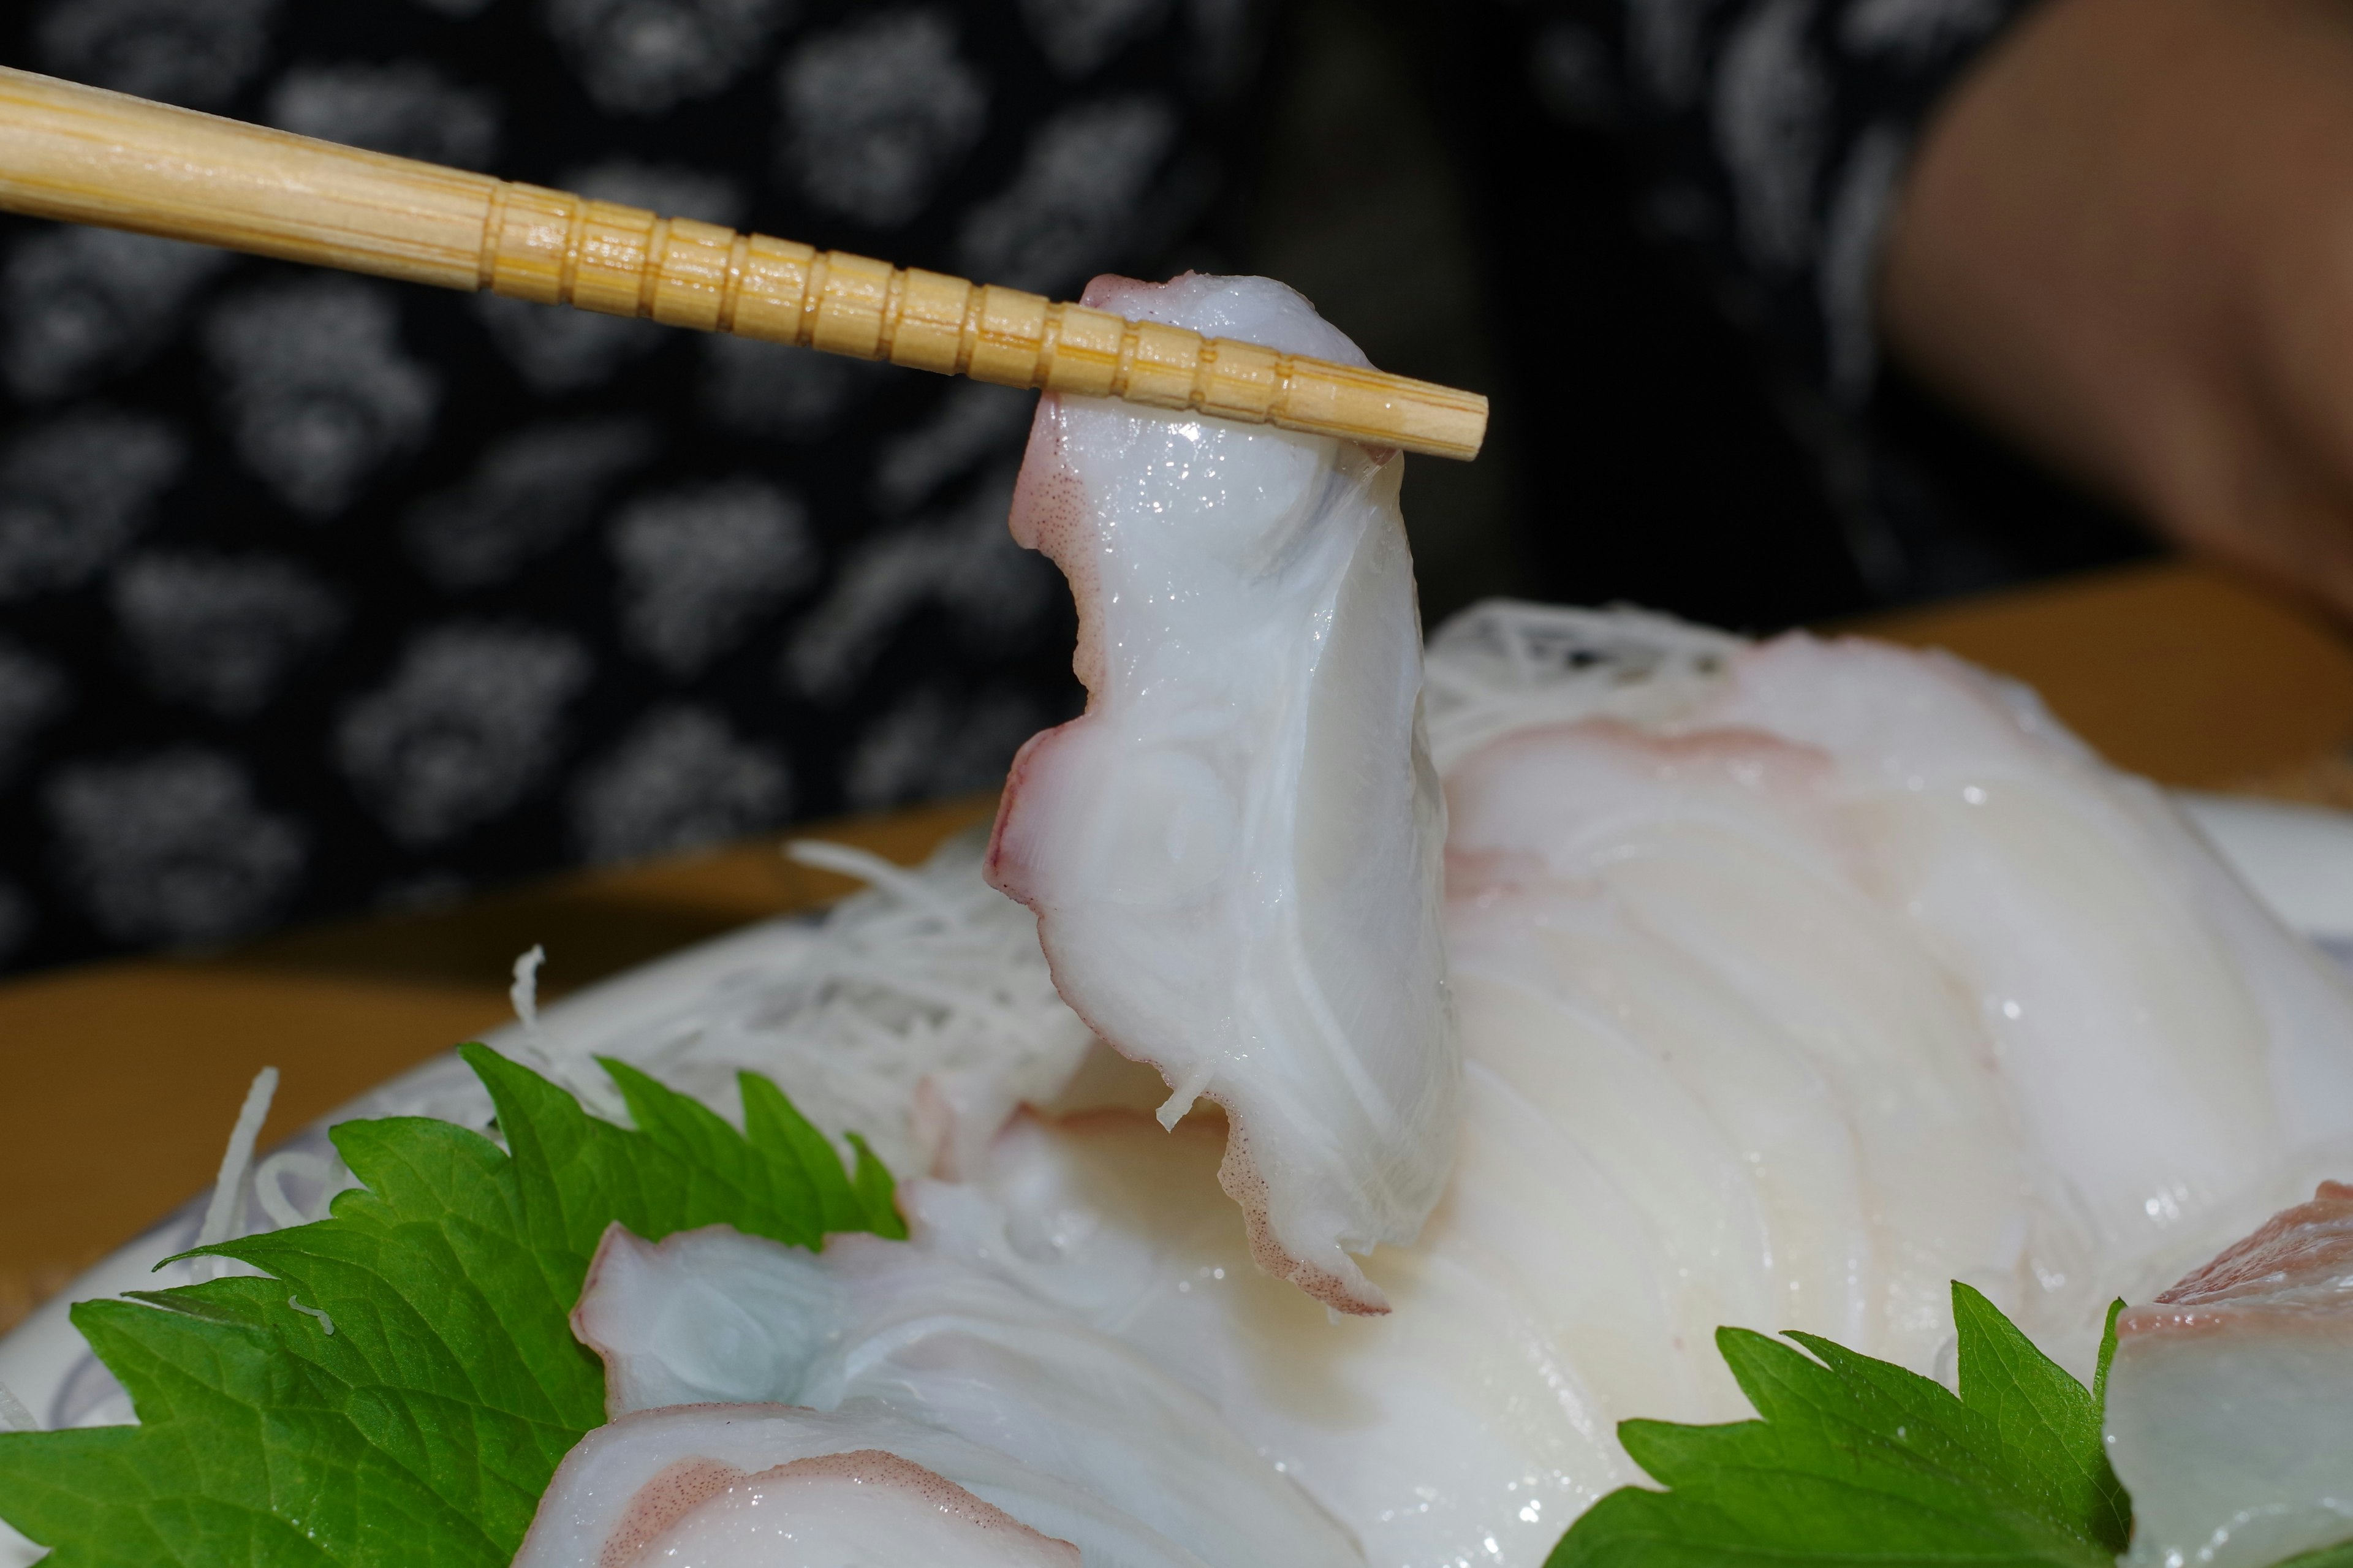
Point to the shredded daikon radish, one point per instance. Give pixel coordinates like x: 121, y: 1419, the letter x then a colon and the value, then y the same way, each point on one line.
x: 524, y: 993
x: 918, y: 1013
x: 328, y: 1176
x: 1502, y: 665
x: 927, y: 990
x: 223, y: 1214
x: 14, y: 1416
x: 326, y: 1323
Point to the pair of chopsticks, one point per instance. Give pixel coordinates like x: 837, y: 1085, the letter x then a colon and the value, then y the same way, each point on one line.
x: 86, y: 155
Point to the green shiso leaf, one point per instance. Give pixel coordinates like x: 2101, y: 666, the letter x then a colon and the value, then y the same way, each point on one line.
x: 422, y: 1431
x: 2048, y: 1424
x: 2326, y: 1557
x: 1853, y: 1460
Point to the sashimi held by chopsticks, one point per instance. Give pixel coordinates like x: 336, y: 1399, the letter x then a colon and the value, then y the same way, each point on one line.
x: 1235, y: 853
x: 85, y: 155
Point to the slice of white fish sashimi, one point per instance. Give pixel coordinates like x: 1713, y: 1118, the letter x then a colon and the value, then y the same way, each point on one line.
x: 1470, y: 1424
x: 2147, y: 1079
x: 1668, y: 936
x: 714, y: 1315
x: 2230, y: 1407
x: 839, y: 1510
x: 1234, y: 854
x: 753, y: 1486
x: 1091, y: 1312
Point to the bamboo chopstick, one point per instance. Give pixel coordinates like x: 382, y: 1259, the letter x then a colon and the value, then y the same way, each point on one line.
x: 86, y: 155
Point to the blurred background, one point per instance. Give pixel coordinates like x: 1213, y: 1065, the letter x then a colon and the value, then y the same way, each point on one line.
x: 1460, y: 194
x: 322, y: 596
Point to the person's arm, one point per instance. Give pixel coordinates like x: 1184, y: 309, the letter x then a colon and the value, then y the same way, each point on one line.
x: 2127, y: 240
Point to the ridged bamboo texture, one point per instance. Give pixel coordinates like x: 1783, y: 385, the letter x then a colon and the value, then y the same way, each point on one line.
x: 85, y: 155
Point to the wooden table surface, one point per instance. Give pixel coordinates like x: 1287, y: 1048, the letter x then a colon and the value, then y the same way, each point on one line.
x: 121, y: 1080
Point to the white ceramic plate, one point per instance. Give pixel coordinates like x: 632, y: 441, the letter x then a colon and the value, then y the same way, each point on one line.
x: 2298, y: 860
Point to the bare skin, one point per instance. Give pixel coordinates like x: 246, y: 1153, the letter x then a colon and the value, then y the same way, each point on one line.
x: 2128, y: 241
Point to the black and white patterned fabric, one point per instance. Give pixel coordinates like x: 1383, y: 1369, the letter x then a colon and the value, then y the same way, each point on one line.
x: 319, y: 593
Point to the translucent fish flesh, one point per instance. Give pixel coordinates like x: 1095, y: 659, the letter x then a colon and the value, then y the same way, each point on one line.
x: 1667, y: 946
x: 1234, y: 854
x: 831, y: 1510
x: 2230, y: 1413
x: 755, y: 1486
x: 1091, y: 1310
x: 1470, y: 1424
x: 2074, y: 909
x: 714, y: 1315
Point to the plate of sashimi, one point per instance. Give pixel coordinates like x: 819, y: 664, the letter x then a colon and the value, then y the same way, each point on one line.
x: 1573, y: 1088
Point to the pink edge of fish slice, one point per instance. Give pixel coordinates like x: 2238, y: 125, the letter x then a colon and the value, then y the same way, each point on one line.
x: 713, y: 1483
x: 866, y: 1492
x: 1248, y: 637
x: 2297, y: 1268
x: 2230, y: 1405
